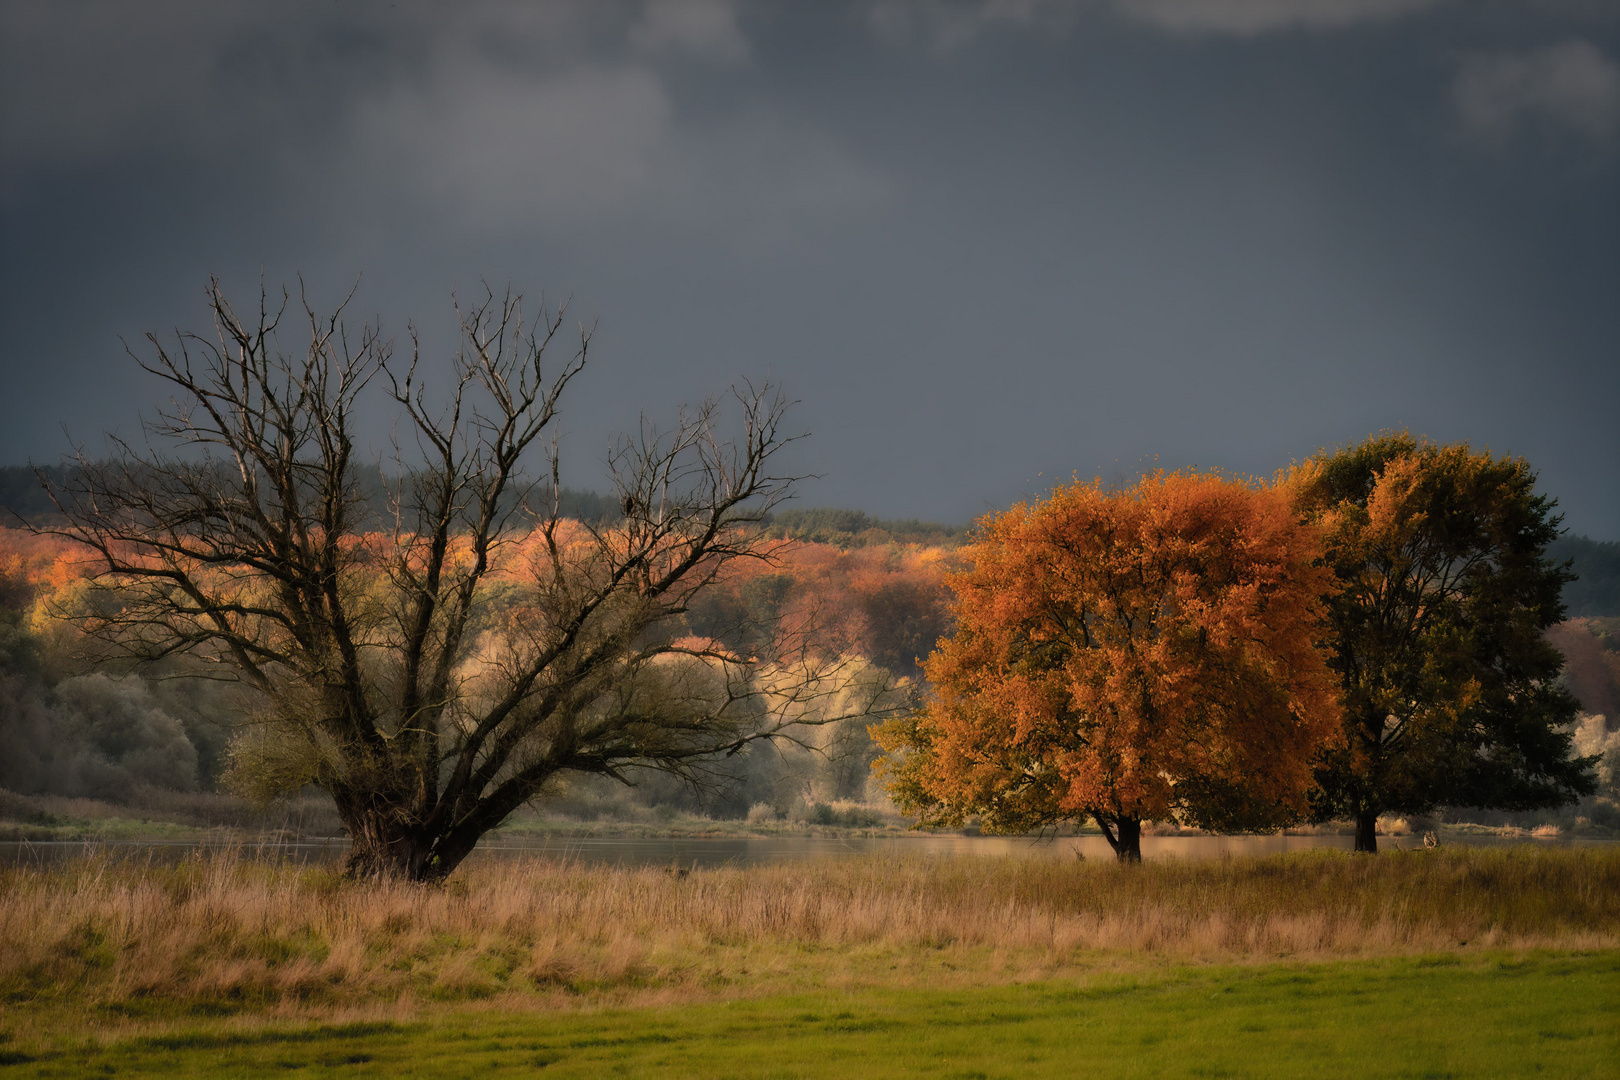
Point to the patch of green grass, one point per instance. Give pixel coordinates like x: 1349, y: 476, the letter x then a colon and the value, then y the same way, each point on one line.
x: 1548, y: 1015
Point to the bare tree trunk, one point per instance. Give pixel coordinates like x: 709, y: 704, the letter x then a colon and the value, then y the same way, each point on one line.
x: 381, y: 843
x: 385, y: 843
x: 374, y: 854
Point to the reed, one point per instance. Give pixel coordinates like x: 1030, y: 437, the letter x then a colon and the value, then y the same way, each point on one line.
x: 223, y: 933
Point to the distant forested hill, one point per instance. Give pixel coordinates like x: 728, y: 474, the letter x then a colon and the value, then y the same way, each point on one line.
x: 1596, y: 591
x: 21, y: 494
x: 856, y: 528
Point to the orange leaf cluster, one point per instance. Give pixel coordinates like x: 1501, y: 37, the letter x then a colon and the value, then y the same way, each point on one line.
x: 887, y: 603
x: 1147, y: 654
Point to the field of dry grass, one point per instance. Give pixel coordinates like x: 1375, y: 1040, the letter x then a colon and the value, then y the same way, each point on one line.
x: 218, y: 935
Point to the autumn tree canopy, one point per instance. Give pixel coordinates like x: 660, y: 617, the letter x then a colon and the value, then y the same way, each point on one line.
x: 1127, y: 655
x: 1444, y: 595
x: 435, y: 670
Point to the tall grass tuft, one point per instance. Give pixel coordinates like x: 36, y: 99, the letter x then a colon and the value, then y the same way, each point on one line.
x: 231, y: 933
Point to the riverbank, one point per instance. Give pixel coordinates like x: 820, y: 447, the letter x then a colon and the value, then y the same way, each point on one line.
x: 162, y: 817
x: 157, y: 816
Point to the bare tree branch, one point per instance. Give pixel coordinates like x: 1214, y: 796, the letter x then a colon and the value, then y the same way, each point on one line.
x: 435, y: 665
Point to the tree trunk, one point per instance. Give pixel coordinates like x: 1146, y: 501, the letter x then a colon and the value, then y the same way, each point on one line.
x: 384, y: 843
x: 1367, y: 830
x: 401, y: 858
x: 1130, y: 840
x: 1124, y: 835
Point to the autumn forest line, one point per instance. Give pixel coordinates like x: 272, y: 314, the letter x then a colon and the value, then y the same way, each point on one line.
x: 72, y: 726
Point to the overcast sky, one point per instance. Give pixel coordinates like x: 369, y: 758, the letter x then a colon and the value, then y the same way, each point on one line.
x: 986, y: 244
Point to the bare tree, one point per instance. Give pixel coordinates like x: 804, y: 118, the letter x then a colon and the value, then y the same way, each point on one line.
x: 434, y: 665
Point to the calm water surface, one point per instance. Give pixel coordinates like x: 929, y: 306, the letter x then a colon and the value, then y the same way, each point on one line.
x: 759, y: 850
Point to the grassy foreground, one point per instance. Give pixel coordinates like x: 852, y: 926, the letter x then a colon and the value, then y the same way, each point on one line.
x: 1491, y: 1017
x: 1457, y: 960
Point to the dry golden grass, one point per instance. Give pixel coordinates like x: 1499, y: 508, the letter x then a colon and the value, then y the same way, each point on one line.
x: 222, y: 934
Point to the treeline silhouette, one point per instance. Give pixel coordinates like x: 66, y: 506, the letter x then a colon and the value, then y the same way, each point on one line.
x: 856, y: 528
x: 1594, y: 592
x: 23, y: 496
x: 1596, y: 588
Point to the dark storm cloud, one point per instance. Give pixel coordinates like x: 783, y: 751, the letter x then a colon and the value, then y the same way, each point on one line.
x: 517, y: 116
x: 988, y: 244
x: 948, y: 24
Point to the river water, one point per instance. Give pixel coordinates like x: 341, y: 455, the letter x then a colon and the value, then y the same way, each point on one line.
x: 758, y: 850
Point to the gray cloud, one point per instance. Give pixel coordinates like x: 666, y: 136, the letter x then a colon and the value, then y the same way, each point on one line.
x: 947, y: 25
x: 526, y: 118
x: 704, y: 29
x: 507, y: 149
x: 132, y: 75
x: 489, y: 143
x: 1572, y: 85
x: 1248, y: 18
x: 950, y: 24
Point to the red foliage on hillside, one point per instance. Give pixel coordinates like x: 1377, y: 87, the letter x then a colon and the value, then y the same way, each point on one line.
x: 887, y: 603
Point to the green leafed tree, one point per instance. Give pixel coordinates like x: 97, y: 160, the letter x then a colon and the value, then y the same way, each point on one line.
x: 1450, y: 686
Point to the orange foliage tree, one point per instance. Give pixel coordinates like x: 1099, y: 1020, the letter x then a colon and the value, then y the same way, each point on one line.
x: 1147, y: 654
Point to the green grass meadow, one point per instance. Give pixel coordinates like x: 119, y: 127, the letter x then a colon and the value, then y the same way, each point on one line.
x: 1509, y: 1015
